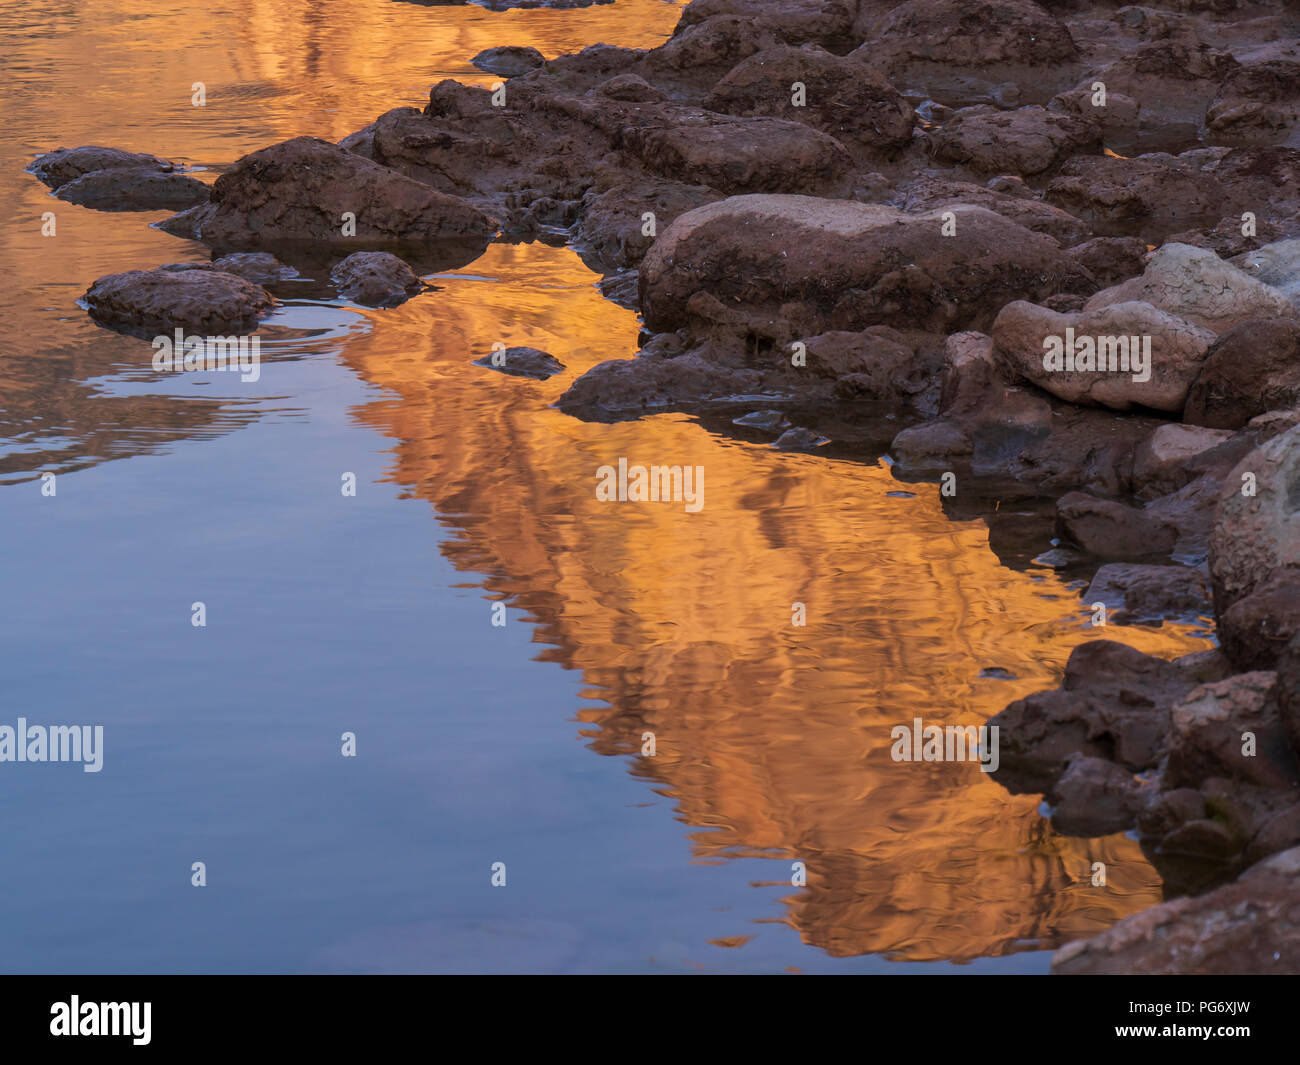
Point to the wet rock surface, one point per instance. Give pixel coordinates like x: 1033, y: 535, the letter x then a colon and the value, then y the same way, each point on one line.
x: 376, y: 279
x: 154, y: 302
x: 522, y: 362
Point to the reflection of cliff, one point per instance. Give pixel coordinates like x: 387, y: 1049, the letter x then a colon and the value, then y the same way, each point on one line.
x: 772, y: 739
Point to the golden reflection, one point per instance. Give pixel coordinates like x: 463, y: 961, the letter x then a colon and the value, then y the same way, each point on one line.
x: 772, y: 739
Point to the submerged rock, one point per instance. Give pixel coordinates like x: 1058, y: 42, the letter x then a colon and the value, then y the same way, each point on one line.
x: 63, y: 165
x: 522, y: 362
x: 509, y: 61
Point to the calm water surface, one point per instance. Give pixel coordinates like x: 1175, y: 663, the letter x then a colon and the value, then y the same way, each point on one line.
x: 475, y: 744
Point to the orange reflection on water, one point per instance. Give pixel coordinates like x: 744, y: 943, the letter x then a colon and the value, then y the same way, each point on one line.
x: 772, y: 739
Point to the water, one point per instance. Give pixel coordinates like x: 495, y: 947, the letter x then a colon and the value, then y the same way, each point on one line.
x: 372, y: 614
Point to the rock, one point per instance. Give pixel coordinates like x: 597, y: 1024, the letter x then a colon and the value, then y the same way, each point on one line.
x: 1166, y: 460
x: 133, y: 189
x: 57, y: 168
x: 956, y: 48
x: 1108, y: 529
x: 1258, y: 102
x: 842, y: 98
x: 767, y: 421
x: 703, y: 52
x: 522, y: 362
x: 1148, y: 196
x: 509, y: 61
x: 1197, y: 286
x: 1027, y: 141
x: 375, y: 279
x: 1247, y: 928
x: 1256, y: 628
x: 1250, y: 369
x: 1208, y: 738
x: 1167, y: 811
x: 936, y: 194
x: 299, y: 191
x: 1136, y: 592
x: 1113, y: 704
x: 741, y: 155
x: 845, y: 265
x: 1094, y: 797
x: 800, y: 439
x: 1025, y: 335
x: 1257, y: 525
x: 258, y: 267
x: 825, y: 22
x: 630, y: 88
x: 1288, y: 692
x: 157, y: 302
x: 612, y: 229
x: 1276, y: 265
x: 930, y: 445
x: 1110, y: 259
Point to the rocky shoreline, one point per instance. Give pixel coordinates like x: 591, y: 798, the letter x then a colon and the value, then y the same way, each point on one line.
x: 1059, y: 243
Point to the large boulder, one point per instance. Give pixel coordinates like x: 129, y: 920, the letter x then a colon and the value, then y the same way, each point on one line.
x: 845, y: 265
x: 1197, y: 286
x: 1028, y: 338
x: 157, y: 302
x: 1250, y: 369
x: 1256, y: 529
x: 825, y: 22
x: 1027, y: 141
x: 300, y: 191
x: 841, y: 97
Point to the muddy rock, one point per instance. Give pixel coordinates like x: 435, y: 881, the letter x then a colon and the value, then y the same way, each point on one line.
x: 1255, y: 629
x: 1249, y: 370
x: 1197, y: 286
x: 1208, y: 735
x: 157, y: 302
x: 1248, y: 927
x: 800, y: 439
x: 1277, y: 265
x: 960, y: 50
x: 842, y: 98
x: 937, y: 194
x: 55, y: 169
x: 1027, y: 337
x: 1172, y: 456
x: 825, y: 22
x: 299, y: 191
x: 1257, y: 103
x: 375, y: 279
x: 1113, y: 704
x: 930, y: 445
x: 1288, y: 692
x: 131, y: 189
x: 1094, y: 797
x: 522, y: 362
x: 1256, y: 528
x: 742, y: 155
x: 1107, y: 529
x: 1148, y: 196
x: 703, y: 52
x: 1136, y: 592
x: 509, y: 61
x: 255, y: 266
x: 614, y: 232
x: 846, y: 265
x: 1027, y: 141
x: 630, y: 88
x: 1110, y: 260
